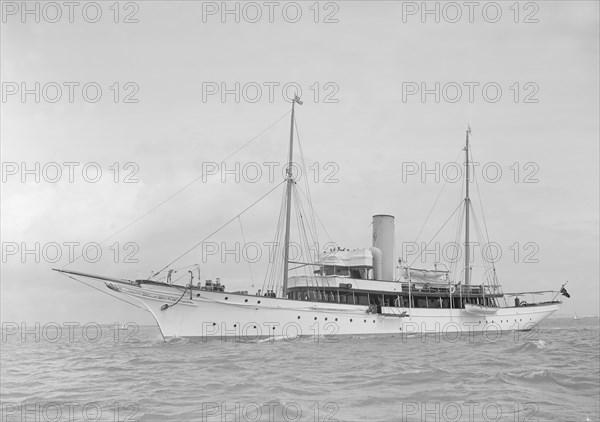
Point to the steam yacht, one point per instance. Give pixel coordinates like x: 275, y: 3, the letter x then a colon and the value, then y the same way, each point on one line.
x: 342, y: 292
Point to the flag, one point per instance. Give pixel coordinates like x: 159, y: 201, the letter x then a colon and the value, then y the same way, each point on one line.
x: 297, y: 99
x: 564, y: 292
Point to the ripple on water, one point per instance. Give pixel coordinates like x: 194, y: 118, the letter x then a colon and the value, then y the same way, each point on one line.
x: 351, y: 378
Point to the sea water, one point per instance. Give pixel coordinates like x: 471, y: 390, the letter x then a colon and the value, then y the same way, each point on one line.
x: 60, y: 373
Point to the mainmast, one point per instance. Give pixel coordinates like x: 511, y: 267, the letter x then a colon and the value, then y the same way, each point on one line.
x: 290, y: 181
x: 467, y: 207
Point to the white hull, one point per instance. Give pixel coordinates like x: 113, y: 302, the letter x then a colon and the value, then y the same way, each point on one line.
x: 222, y: 315
x: 481, y: 310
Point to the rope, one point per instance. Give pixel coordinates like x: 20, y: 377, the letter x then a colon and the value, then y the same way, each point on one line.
x: 244, y: 239
x: 308, y: 195
x: 457, y: 240
x: 479, y: 233
x: 182, y: 189
x: 167, y: 306
x: 438, y: 232
x: 273, y: 266
x: 457, y: 235
x: 304, y: 232
x: 316, y: 215
x: 434, y: 204
x: 219, y: 229
x: 481, y: 207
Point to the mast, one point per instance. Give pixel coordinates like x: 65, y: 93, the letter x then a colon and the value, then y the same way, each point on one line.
x: 290, y: 181
x: 467, y: 207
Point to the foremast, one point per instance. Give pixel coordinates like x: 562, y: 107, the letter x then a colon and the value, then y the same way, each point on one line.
x: 290, y: 182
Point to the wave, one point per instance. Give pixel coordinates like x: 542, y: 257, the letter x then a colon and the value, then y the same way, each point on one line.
x: 529, y: 346
x: 545, y: 376
x: 540, y: 374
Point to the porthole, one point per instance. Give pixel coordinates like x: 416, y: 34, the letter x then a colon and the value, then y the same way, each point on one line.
x: 258, y: 302
x: 336, y: 319
x: 315, y: 318
x: 214, y: 323
x: 350, y: 319
x: 325, y: 318
x: 234, y: 325
x: 245, y: 300
x: 255, y: 326
x: 298, y: 316
x: 365, y: 320
x: 225, y: 297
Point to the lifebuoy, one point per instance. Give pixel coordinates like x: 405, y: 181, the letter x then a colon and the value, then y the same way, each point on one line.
x: 452, y: 289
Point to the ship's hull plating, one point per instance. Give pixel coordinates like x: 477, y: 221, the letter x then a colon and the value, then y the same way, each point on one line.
x: 221, y: 315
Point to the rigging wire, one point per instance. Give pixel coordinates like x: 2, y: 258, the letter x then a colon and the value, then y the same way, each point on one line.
x: 105, y: 292
x: 304, y: 235
x: 312, y: 225
x: 182, y: 189
x: 487, y: 265
x: 434, y: 204
x: 457, y: 235
x: 459, y: 225
x: 487, y: 236
x: 438, y: 232
x: 308, y: 229
x: 317, y: 216
x: 219, y: 229
x: 271, y: 275
x: 308, y: 194
x: 244, y: 240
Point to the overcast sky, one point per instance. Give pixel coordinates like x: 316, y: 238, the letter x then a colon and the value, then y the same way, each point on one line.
x: 361, y: 67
